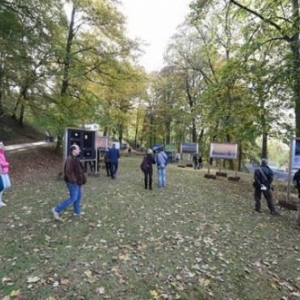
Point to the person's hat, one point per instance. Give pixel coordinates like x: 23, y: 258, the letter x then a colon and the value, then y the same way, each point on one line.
x: 149, y: 151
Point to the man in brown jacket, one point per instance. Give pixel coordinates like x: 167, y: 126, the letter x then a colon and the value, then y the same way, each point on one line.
x: 74, y: 178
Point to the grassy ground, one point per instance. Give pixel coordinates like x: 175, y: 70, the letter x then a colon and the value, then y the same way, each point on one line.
x: 196, y: 239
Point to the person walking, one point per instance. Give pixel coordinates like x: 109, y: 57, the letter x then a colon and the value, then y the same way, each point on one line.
x: 296, y: 181
x: 107, y: 162
x: 263, y: 177
x: 4, y: 174
x: 129, y: 151
x: 147, y: 168
x: 200, y: 162
x: 161, y: 162
x: 177, y: 157
x: 75, y: 179
x: 113, y: 155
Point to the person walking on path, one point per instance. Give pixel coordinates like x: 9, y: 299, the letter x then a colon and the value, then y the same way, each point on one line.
x: 4, y: 173
x: 147, y: 168
x: 113, y: 155
x: 75, y: 179
x: 161, y: 161
x: 263, y: 177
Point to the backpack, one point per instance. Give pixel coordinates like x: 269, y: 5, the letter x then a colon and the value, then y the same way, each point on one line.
x: 144, y: 165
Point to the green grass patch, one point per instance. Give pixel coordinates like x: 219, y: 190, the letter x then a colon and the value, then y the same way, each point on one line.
x: 195, y: 239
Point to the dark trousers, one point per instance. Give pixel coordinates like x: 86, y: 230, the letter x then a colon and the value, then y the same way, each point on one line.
x: 113, y: 169
x: 107, y: 167
x: 148, y: 179
x: 268, y: 196
x: 298, y: 207
x: 91, y: 165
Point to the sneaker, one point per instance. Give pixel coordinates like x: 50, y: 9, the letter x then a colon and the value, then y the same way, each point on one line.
x: 2, y: 204
x: 55, y: 214
x: 80, y: 214
x: 275, y: 213
x: 257, y: 210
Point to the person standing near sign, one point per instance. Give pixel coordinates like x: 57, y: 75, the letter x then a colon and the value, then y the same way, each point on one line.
x: 195, y: 161
x: 296, y: 181
x: 161, y: 161
x: 107, y: 162
x: 263, y: 177
x: 113, y: 155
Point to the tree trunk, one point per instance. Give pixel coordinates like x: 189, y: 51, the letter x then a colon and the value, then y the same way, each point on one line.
x: 231, y: 164
x: 120, y: 133
x: 296, y: 81
x: 264, y: 146
x: 14, y: 113
x: 65, y: 82
x: 168, y: 131
x: 58, y: 143
x: 21, y: 117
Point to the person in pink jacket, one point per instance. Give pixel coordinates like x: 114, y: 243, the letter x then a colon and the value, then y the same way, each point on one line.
x: 4, y: 170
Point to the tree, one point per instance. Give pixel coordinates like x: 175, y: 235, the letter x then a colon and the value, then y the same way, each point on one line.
x: 283, y: 21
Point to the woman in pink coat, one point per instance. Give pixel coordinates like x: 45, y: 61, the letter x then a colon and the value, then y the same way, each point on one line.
x: 4, y: 170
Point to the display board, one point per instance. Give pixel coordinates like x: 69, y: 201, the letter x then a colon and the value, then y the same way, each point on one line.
x: 224, y: 150
x: 102, y: 142
x: 295, y: 153
x: 189, y: 148
x: 85, y: 139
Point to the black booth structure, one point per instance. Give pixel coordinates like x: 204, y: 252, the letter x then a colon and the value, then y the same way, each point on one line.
x: 86, y: 140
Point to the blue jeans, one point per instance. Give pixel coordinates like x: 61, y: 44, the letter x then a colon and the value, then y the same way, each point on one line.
x: 113, y: 169
x: 75, y: 198
x: 161, y: 176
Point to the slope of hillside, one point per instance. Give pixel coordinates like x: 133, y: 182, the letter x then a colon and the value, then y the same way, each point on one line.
x: 12, y: 133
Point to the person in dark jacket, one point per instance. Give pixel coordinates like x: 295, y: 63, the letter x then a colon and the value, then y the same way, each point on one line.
x: 195, y: 161
x: 148, y: 172
x: 296, y: 181
x: 263, y: 177
x: 200, y: 162
x: 74, y: 178
x: 107, y: 162
x: 113, y: 155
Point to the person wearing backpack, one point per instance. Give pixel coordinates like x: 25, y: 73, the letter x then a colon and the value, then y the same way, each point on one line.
x: 263, y: 177
x: 147, y: 168
x: 161, y: 162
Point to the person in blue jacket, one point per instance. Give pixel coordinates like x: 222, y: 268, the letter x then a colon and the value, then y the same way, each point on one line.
x: 161, y: 161
x: 113, y: 156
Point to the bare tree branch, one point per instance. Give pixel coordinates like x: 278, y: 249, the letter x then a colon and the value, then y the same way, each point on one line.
x: 249, y: 10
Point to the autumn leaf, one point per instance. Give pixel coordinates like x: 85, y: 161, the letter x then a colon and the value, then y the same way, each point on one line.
x: 33, y: 279
x: 100, y: 291
x: 154, y: 294
x: 14, y: 293
x: 88, y: 274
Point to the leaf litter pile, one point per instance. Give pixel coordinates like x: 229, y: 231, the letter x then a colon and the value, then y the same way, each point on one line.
x: 195, y: 239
